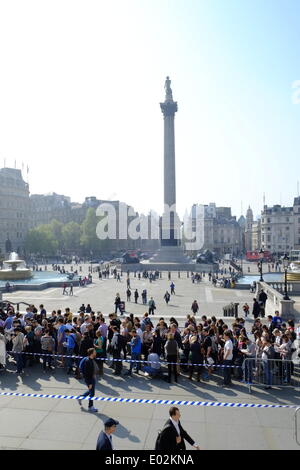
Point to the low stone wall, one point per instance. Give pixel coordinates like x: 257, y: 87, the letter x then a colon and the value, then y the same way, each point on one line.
x: 195, y: 268
x: 45, y: 285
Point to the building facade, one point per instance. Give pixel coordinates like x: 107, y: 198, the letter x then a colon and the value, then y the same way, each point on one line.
x: 14, y: 211
x: 248, y: 230
x: 221, y: 232
x: 256, y: 236
x: 278, y: 229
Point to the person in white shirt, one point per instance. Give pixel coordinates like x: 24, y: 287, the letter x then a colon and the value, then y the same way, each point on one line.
x: 84, y: 326
x: 139, y: 331
x: 153, y: 367
x: 228, y: 355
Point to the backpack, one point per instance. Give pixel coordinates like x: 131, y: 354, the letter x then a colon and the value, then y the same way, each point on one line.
x: 271, y: 353
x: 214, y: 344
x: 75, y: 344
x: 160, y: 432
x: 82, y: 364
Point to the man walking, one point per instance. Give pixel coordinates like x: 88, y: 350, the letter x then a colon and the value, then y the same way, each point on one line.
x: 172, y: 437
x: 195, y: 307
x: 144, y: 296
x: 89, y: 369
x: 167, y: 297
x: 172, y: 287
x: 104, y: 441
x: 136, y: 295
x: 151, y: 306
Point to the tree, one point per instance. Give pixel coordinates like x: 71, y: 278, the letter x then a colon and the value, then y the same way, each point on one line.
x: 41, y: 240
x: 56, y: 228
x: 71, y: 236
x: 89, y: 240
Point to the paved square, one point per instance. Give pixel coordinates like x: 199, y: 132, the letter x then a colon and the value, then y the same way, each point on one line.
x: 35, y: 423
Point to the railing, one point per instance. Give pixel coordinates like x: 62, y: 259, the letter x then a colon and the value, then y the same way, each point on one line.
x: 280, y: 286
x: 4, y: 302
x: 271, y: 372
x: 296, y: 426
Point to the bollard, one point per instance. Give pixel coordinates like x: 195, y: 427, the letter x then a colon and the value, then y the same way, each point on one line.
x: 160, y: 275
x: 134, y: 273
x: 187, y: 274
x: 178, y: 274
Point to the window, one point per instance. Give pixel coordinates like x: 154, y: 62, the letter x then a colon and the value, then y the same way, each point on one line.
x: 287, y: 219
x: 287, y: 228
x: 269, y: 220
x: 268, y: 238
x: 269, y: 228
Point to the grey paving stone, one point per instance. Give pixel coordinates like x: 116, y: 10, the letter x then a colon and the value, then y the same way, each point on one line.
x: 45, y: 444
x: 67, y: 427
x: 18, y: 423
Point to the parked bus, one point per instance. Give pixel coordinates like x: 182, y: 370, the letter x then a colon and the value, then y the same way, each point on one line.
x: 256, y: 256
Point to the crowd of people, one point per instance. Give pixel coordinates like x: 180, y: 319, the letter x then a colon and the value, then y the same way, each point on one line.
x: 203, y: 347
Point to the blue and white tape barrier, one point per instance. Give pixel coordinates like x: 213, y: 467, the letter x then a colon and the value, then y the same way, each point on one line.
x: 144, y: 401
x: 165, y: 363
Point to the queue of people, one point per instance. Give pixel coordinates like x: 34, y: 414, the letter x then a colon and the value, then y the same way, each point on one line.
x: 203, y: 348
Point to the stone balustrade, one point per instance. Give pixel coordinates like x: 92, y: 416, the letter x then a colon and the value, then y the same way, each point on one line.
x: 276, y: 301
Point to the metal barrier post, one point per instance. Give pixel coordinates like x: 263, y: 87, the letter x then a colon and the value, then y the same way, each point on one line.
x: 296, y: 426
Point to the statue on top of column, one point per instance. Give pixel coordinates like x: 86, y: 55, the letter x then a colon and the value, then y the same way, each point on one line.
x: 169, y: 95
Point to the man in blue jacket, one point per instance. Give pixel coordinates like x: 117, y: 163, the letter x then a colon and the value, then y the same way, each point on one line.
x: 104, y: 441
x: 89, y: 369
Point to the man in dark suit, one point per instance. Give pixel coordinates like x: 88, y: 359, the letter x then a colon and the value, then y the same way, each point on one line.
x: 104, y: 441
x: 173, y: 435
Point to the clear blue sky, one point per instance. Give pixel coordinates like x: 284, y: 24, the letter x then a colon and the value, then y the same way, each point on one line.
x: 81, y: 83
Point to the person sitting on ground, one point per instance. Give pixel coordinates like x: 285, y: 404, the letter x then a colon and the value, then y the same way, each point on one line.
x: 153, y: 367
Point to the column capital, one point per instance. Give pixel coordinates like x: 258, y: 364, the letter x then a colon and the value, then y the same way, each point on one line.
x: 169, y: 108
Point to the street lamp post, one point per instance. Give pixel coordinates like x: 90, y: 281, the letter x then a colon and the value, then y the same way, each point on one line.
x: 91, y: 253
x: 285, y: 262
x: 261, y: 257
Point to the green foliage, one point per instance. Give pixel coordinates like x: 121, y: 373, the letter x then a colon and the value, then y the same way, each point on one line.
x: 71, y: 236
x: 89, y: 240
x: 41, y: 240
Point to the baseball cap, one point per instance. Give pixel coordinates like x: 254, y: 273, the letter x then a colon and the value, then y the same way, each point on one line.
x: 110, y: 422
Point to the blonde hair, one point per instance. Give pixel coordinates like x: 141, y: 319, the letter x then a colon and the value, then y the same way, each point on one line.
x: 170, y: 336
x: 193, y: 339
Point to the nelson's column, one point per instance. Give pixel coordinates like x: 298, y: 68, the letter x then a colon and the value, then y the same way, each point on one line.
x: 170, y: 224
